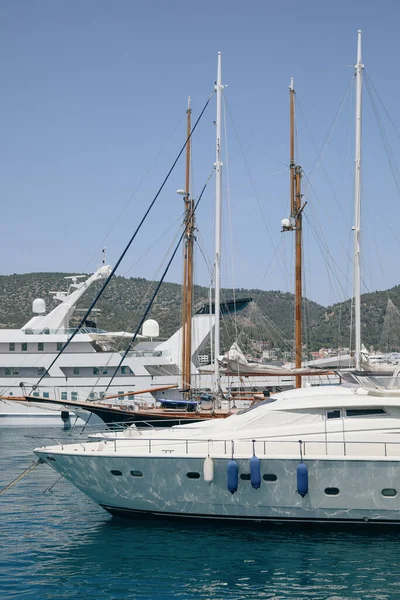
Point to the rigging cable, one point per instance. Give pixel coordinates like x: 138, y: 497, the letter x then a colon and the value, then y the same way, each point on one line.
x: 127, y: 203
x: 230, y: 217
x: 249, y: 173
x: 139, y: 306
x: 107, y: 281
x: 129, y: 346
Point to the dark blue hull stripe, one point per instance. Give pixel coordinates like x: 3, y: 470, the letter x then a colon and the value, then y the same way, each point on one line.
x: 134, y: 513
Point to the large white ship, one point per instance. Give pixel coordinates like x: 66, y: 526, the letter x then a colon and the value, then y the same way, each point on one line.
x: 84, y: 369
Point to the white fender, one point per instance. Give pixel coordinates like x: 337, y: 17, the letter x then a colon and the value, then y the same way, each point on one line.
x: 208, y: 469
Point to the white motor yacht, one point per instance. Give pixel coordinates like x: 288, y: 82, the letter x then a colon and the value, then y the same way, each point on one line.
x: 321, y: 454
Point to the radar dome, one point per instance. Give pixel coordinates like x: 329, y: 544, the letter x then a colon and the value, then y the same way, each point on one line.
x: 39, y: 306
x: 151, y: 328
x: 104, y: 271
x: 285, y: 223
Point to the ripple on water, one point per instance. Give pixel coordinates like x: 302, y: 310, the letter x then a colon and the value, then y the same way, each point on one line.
x: 59, y: 544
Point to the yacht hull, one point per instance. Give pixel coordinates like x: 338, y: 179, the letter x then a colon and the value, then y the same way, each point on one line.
x: 15, y: 413
x: 164, y: 488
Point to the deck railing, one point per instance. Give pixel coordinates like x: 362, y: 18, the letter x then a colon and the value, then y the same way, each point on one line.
x: 264, y: 448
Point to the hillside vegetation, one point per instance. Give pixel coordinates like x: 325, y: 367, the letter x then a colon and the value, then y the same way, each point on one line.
x: 268, y: 318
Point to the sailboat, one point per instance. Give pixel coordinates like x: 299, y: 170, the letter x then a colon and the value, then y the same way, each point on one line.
x: 325, y: 454
x: 184, y: 404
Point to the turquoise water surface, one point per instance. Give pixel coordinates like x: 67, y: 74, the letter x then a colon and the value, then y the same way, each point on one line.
x: 59, y: 544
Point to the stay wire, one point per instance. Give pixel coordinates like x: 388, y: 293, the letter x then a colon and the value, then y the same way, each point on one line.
x: 139, y: 307
x: 328, y: 136
x: 131, y: 197
x: 255, y: 191
x: 367, y: 77
x: 107, y: 281
x: 129, y: 346
x: 230, y: 220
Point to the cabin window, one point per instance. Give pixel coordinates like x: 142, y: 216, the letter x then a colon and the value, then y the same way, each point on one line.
x: 36, y: 394
x: 59, y: 346
x: 46, y: 395
x: 40, y: 370
x: 96, y: 370
x: 7, y: 371
x: 15, y: 371
x: 116, y: 472
x: 125, y: 370
x: 193, y: 475
x: 74, y: 395
x: 40, y: 346
x: 105, y: 371
x: 64, y: 395
x: 333, y: 414
x: 131, y: 395
x: 75, y: 370
x: 245, y: 476
x: 102, y: 395
x: 24, y: 347
x: 91, y: 396
x: 121, y: 393
x: 364, y: 412
x: 269, y: 477
x: 11, y: 347
x: 332, y: 491
x: 136, y: 473
x: 389, y: 492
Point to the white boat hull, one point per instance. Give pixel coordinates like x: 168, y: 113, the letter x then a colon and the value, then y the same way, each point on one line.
x: 24, y: 414
x: 164, y: 489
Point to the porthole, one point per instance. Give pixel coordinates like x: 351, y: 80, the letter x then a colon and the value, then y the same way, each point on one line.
x: 389, y: 492
x: 269, y: 477
x: 193, y: 475
x: 331, y: 491
x: 116, y: 472
x: 136, y: 473
x: 245, y: 476
x: 53, y: 459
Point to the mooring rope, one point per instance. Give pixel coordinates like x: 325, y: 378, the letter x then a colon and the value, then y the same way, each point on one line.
x: 23, y: 474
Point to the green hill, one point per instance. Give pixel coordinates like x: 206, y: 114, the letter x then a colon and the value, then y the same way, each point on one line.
x: 268, y: 318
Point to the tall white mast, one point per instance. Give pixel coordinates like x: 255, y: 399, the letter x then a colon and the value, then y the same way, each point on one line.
x: 218, y: 184
x: 357, y: 212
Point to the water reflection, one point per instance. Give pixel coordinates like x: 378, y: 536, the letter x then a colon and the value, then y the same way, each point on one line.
x: 61, y: 545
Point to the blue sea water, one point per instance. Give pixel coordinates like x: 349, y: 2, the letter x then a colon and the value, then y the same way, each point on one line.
x: 59, y: 544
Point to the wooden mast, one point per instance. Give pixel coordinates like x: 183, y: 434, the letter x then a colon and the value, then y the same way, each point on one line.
x: 295, y: 223
x: 299, y: 291
x: 187, y: 285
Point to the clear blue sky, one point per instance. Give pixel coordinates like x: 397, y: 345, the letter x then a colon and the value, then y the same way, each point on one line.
x: 91, y: 92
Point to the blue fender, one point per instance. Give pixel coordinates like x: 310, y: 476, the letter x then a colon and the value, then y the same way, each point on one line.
x: 302, y: 479
x: 233, y: 476
x: 255, y: 472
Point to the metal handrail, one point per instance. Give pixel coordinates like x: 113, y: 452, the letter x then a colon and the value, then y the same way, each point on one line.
x: 164, y: 444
